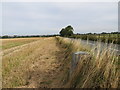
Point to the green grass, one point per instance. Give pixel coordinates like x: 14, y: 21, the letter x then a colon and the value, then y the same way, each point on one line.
x: 10, y: 43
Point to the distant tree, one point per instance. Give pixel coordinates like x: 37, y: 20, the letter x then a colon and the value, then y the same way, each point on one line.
x: 5, y: 36
x: 63, y: 32
x: 103, y: 33
x: 15, y: 36
x: 78, y: 33
x: 67, y: 31
x: 89, y: 33
x: 115, y: 32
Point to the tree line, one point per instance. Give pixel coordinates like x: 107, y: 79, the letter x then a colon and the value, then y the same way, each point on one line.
x: 27, y: 36
x: 68, y: 31
x: 113, y: 37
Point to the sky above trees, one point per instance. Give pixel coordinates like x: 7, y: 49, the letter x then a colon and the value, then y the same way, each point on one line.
x: 28, y: 18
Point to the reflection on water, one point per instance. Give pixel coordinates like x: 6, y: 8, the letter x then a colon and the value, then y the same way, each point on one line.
x: 94, y: 44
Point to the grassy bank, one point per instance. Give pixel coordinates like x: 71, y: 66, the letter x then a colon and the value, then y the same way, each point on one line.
x: 99, y: 69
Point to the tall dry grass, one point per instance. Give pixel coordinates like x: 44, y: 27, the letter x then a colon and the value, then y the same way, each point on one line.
x: 100, y: 69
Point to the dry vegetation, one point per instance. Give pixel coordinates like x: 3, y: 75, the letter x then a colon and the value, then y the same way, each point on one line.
x: 36, y: 64
x: 46, y: 62
x: 98, y: 70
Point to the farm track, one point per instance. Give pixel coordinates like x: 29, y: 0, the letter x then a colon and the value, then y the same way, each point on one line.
x: 40, y: 67
x: 14, y: 49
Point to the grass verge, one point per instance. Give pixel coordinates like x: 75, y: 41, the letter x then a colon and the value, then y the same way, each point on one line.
x: 99, y: 70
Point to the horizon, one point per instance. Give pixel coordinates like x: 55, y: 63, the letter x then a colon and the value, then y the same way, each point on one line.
x: 54, y: 34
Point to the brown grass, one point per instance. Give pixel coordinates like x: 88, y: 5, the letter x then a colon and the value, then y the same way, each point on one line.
x: 36, y: 64
x: 46, y: 63
x: 97, y: 70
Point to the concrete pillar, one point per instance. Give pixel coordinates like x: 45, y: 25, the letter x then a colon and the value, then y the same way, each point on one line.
x: 76, y: 58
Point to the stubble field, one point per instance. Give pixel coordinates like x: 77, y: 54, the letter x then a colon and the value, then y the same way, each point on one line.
x: 30, y: 62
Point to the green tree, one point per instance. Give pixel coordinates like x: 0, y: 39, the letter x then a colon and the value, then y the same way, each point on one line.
x: 62, y: 32
x: 67, y: 31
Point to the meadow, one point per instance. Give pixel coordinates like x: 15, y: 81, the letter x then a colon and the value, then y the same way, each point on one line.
x: 46, y: 62
x: 13, y: 42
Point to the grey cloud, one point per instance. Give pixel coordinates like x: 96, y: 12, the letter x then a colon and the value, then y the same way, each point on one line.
x: 49, y: 18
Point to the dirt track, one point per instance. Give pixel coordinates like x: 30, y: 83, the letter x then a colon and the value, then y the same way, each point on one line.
x: 41, y: 68
x: 44, y: 70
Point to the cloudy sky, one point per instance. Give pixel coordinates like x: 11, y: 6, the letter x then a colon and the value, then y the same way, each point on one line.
x: 32, y: 18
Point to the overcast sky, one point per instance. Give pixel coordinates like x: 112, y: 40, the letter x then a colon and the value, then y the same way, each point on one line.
x: 31, y: 18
